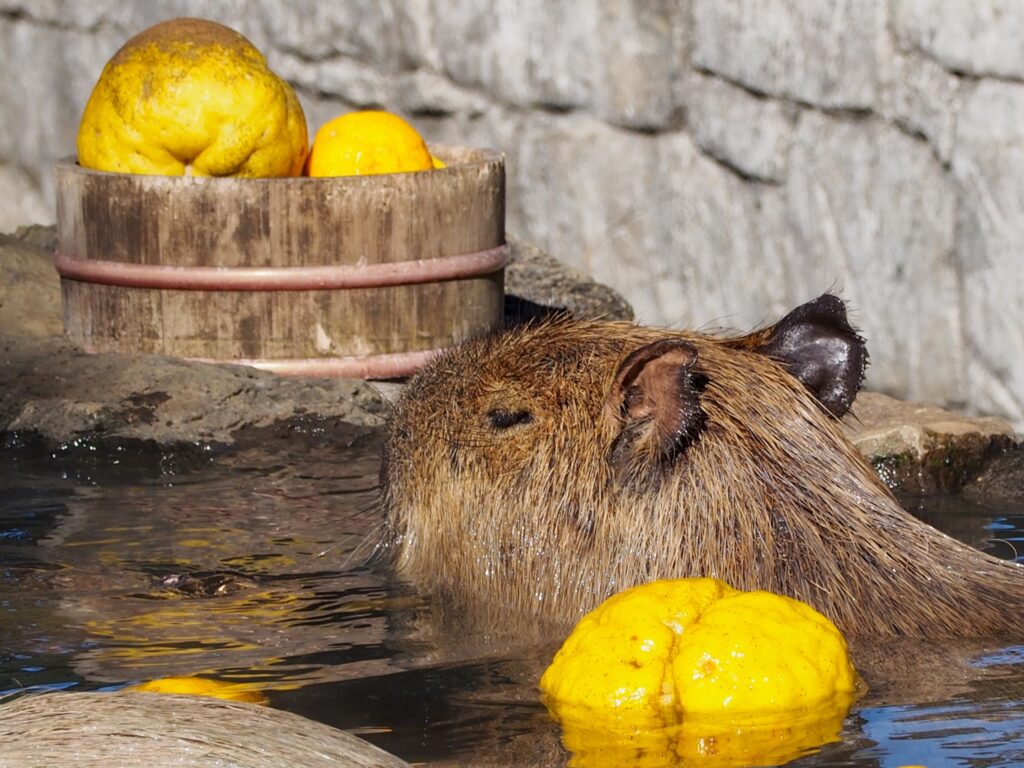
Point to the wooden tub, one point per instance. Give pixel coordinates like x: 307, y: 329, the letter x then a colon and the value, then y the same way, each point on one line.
x: 351, y: 276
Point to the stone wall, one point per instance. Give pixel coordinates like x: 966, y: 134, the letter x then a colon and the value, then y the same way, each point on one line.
x: 718, y: 161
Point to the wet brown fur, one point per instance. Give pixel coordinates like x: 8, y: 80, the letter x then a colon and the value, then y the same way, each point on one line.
x: 145, y: 730
x: 543, y: 518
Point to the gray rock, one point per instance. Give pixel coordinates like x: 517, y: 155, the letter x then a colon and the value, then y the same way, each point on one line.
x: 52, y: 389
x: 874, y: 215
x: 618, y: 61
x: 62, y: 63
x: 523, y: 53
x: 604, y: 232
x: 805, y: 50
x: 748, y: 133
x: 384, y: 35
x: 677, y: 231
x: 922, y: 448
x: 354, y: 82
x: 1001, y: 483
x: 636, y: 55
x: 425, y: 92
x: 29, y: 289
x: 38, y: 235
x: 23, y: 199
x: 988, y: 163
x: 85, y: 16
x: 537, y: 285
x: 720, y: 263
x: 977, y: 38
x: 917, y: 93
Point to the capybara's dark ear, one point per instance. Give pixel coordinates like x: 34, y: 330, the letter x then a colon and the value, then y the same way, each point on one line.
x: 817, y: 344
x: 655, y: 398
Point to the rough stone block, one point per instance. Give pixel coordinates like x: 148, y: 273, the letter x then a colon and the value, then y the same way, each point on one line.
x: 29, y: 290
x: 384, y: 34
x: 68, y: 13
x: 720, y: 262
x: 920, y: 95
x: 424, y: 92
x: 49, y: 76
x: 538, y: 285
x: 636, y: 57
x: 988, y: 164
x: 341, y: 79
x: 874, y: 215
x: 921, y: 448
x: 23, y: 199
x: 685, y: 239
x: 805, y: 50
x: 748, y: 133
x: 980, y: 37
x: 523, y: 53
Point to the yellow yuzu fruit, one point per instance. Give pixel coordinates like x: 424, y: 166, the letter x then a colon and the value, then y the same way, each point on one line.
x: 190, y: 96
x: 368, y: 142
x: 667, y: 668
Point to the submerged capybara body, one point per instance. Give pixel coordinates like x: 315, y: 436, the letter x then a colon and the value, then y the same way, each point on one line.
x: 536, y: 472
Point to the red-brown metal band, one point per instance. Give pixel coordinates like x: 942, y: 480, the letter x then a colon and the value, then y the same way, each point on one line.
x: 330, y: 277
x: 395, y: 365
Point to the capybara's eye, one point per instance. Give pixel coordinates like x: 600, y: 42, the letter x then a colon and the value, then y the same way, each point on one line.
x: 504, y: 419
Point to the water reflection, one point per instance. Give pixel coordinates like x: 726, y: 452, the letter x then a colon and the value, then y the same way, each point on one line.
x: 967, y: 733
x: 247, y: 564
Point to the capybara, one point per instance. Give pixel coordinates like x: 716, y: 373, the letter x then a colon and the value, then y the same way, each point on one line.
x: 537, y: 471
x: 149, y: 730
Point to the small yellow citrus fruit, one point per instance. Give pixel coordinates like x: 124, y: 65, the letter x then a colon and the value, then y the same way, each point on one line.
x: 363, y: 143
x: 201, y: 686
x: 692, y: 668
x: 192, y: 97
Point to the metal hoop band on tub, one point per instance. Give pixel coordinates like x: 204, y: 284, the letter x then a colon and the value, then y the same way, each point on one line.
x: 329, y: 277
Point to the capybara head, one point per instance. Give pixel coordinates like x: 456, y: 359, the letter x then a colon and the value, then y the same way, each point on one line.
x: 537, y: 471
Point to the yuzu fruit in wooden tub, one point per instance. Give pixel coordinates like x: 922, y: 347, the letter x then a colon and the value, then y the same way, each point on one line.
x: 185, y: 231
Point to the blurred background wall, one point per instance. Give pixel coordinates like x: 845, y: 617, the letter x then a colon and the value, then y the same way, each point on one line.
x: 717, y: 161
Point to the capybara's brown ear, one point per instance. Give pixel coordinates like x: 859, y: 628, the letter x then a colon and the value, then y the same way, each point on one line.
x: 817, y: 344
x: 655, y: 398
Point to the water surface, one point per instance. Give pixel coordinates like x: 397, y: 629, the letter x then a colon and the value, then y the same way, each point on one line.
x: 123, y: 564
